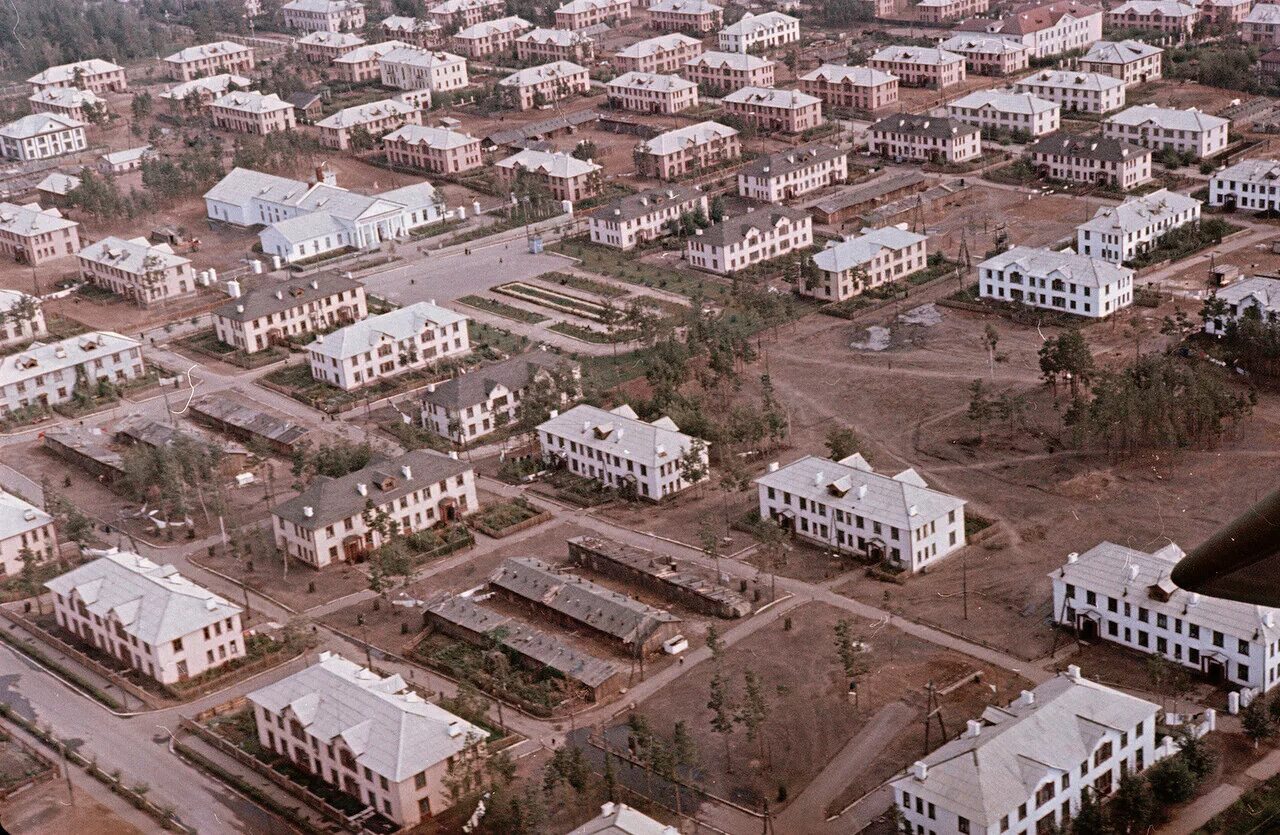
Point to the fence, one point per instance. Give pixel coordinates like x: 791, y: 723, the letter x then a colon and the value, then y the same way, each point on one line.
x: 46, y: 772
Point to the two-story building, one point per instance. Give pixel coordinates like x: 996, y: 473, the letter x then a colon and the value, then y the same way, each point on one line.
x: 417, y: 336
x: 210, y: 59
x: 323, y: 15
x: 996, y: 111
x: 924, y: 138
x: 46, y: 374
x: 1063, y: 281
x: 989, y: 54
x: 565, y: 176
x: 364, y: 63
x: 1089, y: 92
x: 665, y: 54
x: 409, y: 68
x: 718, y: 73
x: 375, y: 119
x: 480, y: 402
x: 699, y: 16
x: 27, y: 534
x: 1047, y: 28
x: 856, y: 88
x: 323, y: 47
x: 920, y: 66
x: 638, y: 218
x: 23, y: 318
x: 33, y: 235
x: 198, y: 95
x: 248, y: 111
x: 1091, y: 159
x: 687, y: 150
x: 759, y: 32
x: 547, y: 45
x: 42, y: 136
x: 786, y: 175
x: 270, y: 314
x: 1133, y: 62
x: 1252, y: 184
x: 771, y: 109
x: 72, y: 102
x: 1120, y: 233
x: 543, y: 85
x: 652, y: 93
x: 1164, y: 128
x: 412, y: 30
x: 140, y: 271
x: 435, y: 150
x: 583, y: 14
x: 864, y: 261
x: 489, y: 37
x: 1256, y: 297
x: 760, y: 235
x: 459, y: 14
x: 1168, y: 17
x: 94, y: 75
x: 1262, y: 26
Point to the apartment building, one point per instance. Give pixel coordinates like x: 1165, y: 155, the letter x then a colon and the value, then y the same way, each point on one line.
x: 737, y: 243
x: 406, y: 339
x: 329, y: 522
x: 546, y: 45
x: 583, y: 14
x: 26, y: 533
x: 847, y: 506
x: 459, y: 14
x: 1168, y: 17
x: 879, y: 8
x: 619, y: 818
x: 72, y: 102
x: 719, y: 73
x: 323, y: 15
x: 759, y: 32
x: 412, y: 30
x: 45, y: 374
x: 652, y: 93
x: 997, y: 111
x: 920, y: 66
x: 697, y: 16
x: 489, y: 37
x: 435, y: 150
x: 406, y: 68
x: 567, y: 177
x: 325, y: 47
x: 480, y: 402
x: 1164, y: 128
x: 42, y: 136
x: 990, y: 55
x: 1062, y: 281
x: 1133, y: 62
x: 687, y: 150
x: 856, y: 88
x: 194, y: 96
x: 23, y: 321
x: 1256, y: 298
x: 1050, y: 745
x: 639, y: 218
x: 866, y: 260
x: 941, y: 11
x: 924, y: 138
x: 248, y: 111
x: 368, y: 735
x: 1047, y: 28
x: 375, y: 118
x: 542, y: 85
x: 94, y: 75
x: 148, y: 616
x: 142, y: 272
x: 1262, y: 26
x: 1226, y: 13
x: 1249, y: 184
x: 33, y: 235
x: 665, y: 53
x: 364, y: 63
x: 1075, y: 91
x: 269, y: 314
x: 1123, y: 595
x: 210, y: 59
x: 619, y: 450
x: 770, y: 109
x: 1091, y: 159
x: 786, y: 175
x: 1120, y: 233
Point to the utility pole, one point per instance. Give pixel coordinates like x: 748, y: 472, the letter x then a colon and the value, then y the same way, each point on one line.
x: 66, y: 771
x: 964, y: 582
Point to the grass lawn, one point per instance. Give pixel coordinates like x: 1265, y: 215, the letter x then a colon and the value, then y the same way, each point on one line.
x: 586, y: 285
x: 495, y: 519
x: 589, y: 335
x: 624, y: 266
x: 503, y: 309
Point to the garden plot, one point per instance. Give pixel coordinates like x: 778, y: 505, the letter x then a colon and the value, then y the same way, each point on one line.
x: 556, y: 300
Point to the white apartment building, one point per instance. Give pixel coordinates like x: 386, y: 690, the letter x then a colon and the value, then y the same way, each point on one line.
x: 1047, y: 28
x: 997, y: 110
x: 1167, y: 17
x: 408, y: 68
x: 1089, y: 92
x: 924, y: 138
x: 42, y: 136
x: 866, y: 260
x: 329, y: 522
x: 698, y: 16
x: 33, y: 235
x: 249, y: 111
x: 480, y: 402
x: 1249, y: 184
x: 94, y: 75
x: 416, y: 336
x: 364, y: 63
x: 544, y: 84
x: 1161, y: 128
x: 665, y: 53
x: 210, y: 59
x: 147, y: 615
x: 1133, y: 62
x: 759, y: 32
x: 202, y: 91
x: 323, y: 15
x: 621, y: 451
x: 652, y: 93
x: 254, y: 321
x: 1062, y: 281
x: 323, y: 47
x: 723, y: 72
x: 1091, y: 159
x: 1255, y: 297
x: 45, y: 374
x: 370, y: 736
x: 1023, y: 768
x: 1120, y: 233
x: 411, y: 30
x: 920, y: 66
x: 23, y: 318
x: 376, y: 118
x: 638, y: 218
x: 26, y: 531
x: 847, y: 506
x: 1262, y: 25
x: 143, y: 272
x: 736, y: 243
x: 786, y: 175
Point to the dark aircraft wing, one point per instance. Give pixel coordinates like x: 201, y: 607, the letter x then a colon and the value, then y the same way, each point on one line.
x: 1241, y: 561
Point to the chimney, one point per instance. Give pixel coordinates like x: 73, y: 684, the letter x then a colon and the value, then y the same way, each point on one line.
x: 454, y: 455
x: 407, y: 472
x: 455, y: 729
x: 773, y: 466
x: 1269, y: 619
x: 586, y: 426
x: 210, y: 604
x: 279, y: 294
x: 974, y: 728
x: 913, y: 511
x: 239, y: 308
x: 1133, y: 572
x: 555, y: 413
x: 308, y: 512
x: 862, y: 491
x: 1194, y: 600
x: 315, y: 285
x: 1027, y: 699
x: 1073, y: 558
x: 29, y: 514
x: 818, y: 478
x: 920, y: 769
x: 606, y: 810
x: 362, y: 489
x: 1073, y: 672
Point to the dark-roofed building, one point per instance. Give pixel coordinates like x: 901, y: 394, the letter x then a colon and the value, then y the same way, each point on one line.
x: 786, y: 175
x: 89, y: 448
x: 1091, y: 159
x: 642, y: 217
x: 637, y: 627
x: 483, y: 400
x: 307, y: 106
x: 554, y: 126
x: 327, y: 522
x: 925, y: 138
x: 659, y: 573
x: 248, y: 423
x: 254, y: 321
x: 461, y: 618
x: 856, y: 200
x: 137, y: 429
x: 739, y: 242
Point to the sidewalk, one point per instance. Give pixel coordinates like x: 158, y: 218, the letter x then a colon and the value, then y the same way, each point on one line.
x: 1203, y: 809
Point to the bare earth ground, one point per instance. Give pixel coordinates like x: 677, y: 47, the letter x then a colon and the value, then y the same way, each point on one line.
x: 1169, y: 92
x: 978, y: 213
x: 43, y: 810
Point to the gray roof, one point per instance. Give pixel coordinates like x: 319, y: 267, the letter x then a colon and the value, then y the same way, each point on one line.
x: 1019, y: 747
x: 856, y: 250
x: 42, y: 358
x: 513, y: 373
x: 688, y: 136
x: 652, y: 46
x: 1070, y: 80
x: 88, y: 441
x: 867, y: 192
x: 29, y: 219
x: 392, y: 730
x: 1100, y: 148
x: 533, y: 130
x: 1002, y: 101
x: 922, y: 55
x: 395, y: 325
x: 1046, y: 263
x: 1169, y: 118
x: 638, y: 205
x: 976, y: 44
x: 1119, y: 52
x: 733, y: 230
x: 40, y: 123
x: 135, y: 256
x: 1141, y: 211
x: 334, y: 499
x: 857, y: 76
x: 621, y: 819
x: 249, y: 419
x: 18, y: 516
x: 604, y: 610
x: 733, y: 60
x: 933, y: 126
x: 152, y: 602
x: 771, y: 97
x: 1264, y: 171
x: 154, y: 433
x: 781, y: 163
x: 1264, y: 292
x: 664, y: 569
x: 278, y: 296
x: 1264, y: 13
x: 625, y: 434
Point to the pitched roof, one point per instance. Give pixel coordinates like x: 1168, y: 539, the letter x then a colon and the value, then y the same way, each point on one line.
x: 391, y: 730
x: 1169, y: 118
x: 690, y: 135
x: 215, y: 84
x: 1086, y: 147
x: 916, y: 55
x: 396, y: 325
x: 1261, y: 291
x: 856, y: 76
x: 362, y: 114
x: 229, y: 410
x: 1070, y: 266
x: 63, y: 73
x: 18, y: 516
x: 1267, y: 13
x: 42, y: 358
x: 65, y: 97
x: 294, y: 292
x: 934, y: 126
x: 475, y: 387
x: 621, y: 432
x: 370, y: 51
x: 782, y: 163
x: 684, y: 7
x: 650, y: 81
x: 1159, y: 8
x: 752, y: 23
x: 59, y: 184
x: 770, y: 97
x: 151, y: 602
x: 134, y: 256
x: 1119, y: 52
x: 1251, y: 171
x: 621, y: 819
x: 251, y: 101
x: 1005, y: 102
x: 652, y: 46
x: 741, y: 61
x: 322, y: 6
x: 437, y: 138
x: 29, y: 219
x: 967, y: 43
x: 541, y: 73
x: 734, y: 230
x: 332, y: 39
x: 207, y: 50
x: 39, y: 123
x: 485, y: 28
x: 1071, y: 80
x: 1024, y: 20
x: 856, y: 250
x: 559, y: 37
x: 552, y: 163
x: 1140, y: 212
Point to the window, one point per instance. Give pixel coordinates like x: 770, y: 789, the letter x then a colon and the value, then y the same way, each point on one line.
x: 1242, y: 646
x: 962, y: 825
x: 420, y: 780
x: 1102, y: 754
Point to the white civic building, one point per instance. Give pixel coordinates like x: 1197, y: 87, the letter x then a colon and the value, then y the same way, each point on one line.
x: 1249, y: 184
x: 147, y: 615
x: 1062, y: 281
x: 44, y: 375
x: 618, y: 449
x: 1119, y: 233
x: 24, y: 530
x: 416, y: 336
x: 1022, y: 768
x: 1123, y: 595
x: 847, y: 506
x: 42, y: 136
x: 1257, y: 296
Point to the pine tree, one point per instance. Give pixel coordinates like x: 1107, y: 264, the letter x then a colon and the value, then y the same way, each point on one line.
x: 1132, y: 809
x: 722, y: 708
